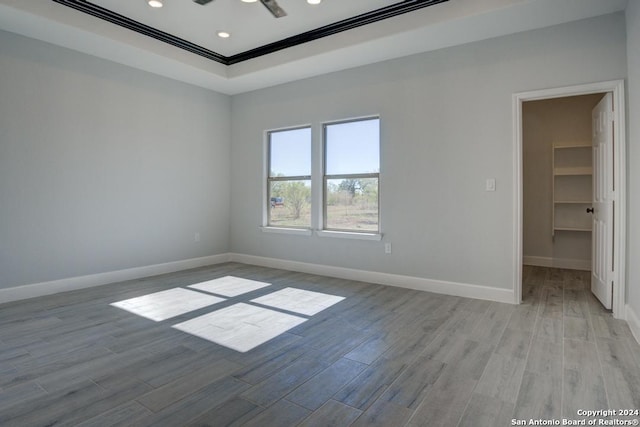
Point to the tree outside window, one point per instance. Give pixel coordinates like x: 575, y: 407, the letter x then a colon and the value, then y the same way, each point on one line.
x: 351, y: 175
x: 289, y: 180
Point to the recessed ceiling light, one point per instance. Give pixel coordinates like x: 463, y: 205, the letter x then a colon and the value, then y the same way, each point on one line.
x: 155, y: 3
x: 249, y: 1
x: 223, y: 34
x: 314, y: 1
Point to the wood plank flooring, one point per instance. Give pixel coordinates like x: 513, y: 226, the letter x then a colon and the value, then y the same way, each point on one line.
x: 383, y: 356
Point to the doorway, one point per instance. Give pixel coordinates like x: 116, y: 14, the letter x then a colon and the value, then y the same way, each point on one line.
x: 572, y: 234
x: 557, y: 181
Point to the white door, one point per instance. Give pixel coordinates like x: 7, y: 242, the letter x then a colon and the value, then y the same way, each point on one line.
x: 602, y: 210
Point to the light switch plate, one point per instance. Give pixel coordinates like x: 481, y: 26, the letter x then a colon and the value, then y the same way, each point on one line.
x: 490, y: 184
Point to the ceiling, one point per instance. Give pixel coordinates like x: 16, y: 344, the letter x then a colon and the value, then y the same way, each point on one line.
x: 199, y: 24
x: 189, y: 50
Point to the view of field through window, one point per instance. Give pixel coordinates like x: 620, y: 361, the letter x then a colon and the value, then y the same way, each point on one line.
x: 351, y: 175
x: 352, y: 166
x: 290, y: 204
x: 290, y: 178
x: 352, y: 204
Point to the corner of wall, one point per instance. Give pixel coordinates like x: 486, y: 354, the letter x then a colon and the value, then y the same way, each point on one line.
x: 632, y: 15
x: 634, y: 322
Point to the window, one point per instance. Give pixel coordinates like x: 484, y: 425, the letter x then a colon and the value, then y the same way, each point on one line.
x: 289, y: 178
x: 351, y: 175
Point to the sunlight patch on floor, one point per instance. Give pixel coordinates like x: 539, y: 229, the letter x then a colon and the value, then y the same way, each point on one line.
x: 229, y: 286
x: 167, y: 304
x: 299, y: 301
x: 241, y: 326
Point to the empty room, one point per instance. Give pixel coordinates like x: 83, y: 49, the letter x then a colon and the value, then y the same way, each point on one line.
x: 319, y: 212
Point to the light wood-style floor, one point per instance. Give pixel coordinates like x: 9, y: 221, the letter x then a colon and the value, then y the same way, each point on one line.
x: 384, y: 356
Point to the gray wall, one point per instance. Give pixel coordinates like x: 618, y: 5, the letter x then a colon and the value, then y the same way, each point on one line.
x: 560, y: 121
x: 446, y: 127
x: 103, y: 167
x: 633, y: 156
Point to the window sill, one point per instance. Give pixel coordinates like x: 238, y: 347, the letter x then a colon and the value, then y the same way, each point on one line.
x: 284, y: 230
x: 349, y: 235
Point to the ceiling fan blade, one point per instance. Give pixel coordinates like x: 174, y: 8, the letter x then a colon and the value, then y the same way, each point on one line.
x: 203, y: 2
x: 274, y: 8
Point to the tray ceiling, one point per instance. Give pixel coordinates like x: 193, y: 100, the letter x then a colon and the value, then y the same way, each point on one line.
x: 262, y: 50
x: 249, y: 24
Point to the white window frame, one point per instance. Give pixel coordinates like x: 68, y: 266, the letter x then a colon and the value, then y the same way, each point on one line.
x: 318, y: 192
x: 268, y: 179
x: 346, y: 233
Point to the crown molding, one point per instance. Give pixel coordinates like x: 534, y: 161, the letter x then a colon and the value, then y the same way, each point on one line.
x: 324, y: 31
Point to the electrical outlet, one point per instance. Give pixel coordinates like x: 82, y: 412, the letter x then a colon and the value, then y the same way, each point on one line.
x: 196, y: 237
x: 490, y: 185
x: 387, y: 248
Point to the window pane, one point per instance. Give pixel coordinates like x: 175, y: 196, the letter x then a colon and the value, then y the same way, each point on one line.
x: 290, y: 152
x: 290, y: 203
x: 352, y: 204
x: 353, y: 147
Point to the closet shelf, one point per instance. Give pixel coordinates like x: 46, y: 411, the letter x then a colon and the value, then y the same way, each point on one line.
x: 572, y: 170
x: 571, y: 229
x: 570, y: 147
x: 573, y: 202
x: 576, y: 170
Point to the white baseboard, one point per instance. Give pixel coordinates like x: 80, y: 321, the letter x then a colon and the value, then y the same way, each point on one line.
x: 80, y: 282
x: 568, y: 263
x: 634, y: 322
x: 409, y: 282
